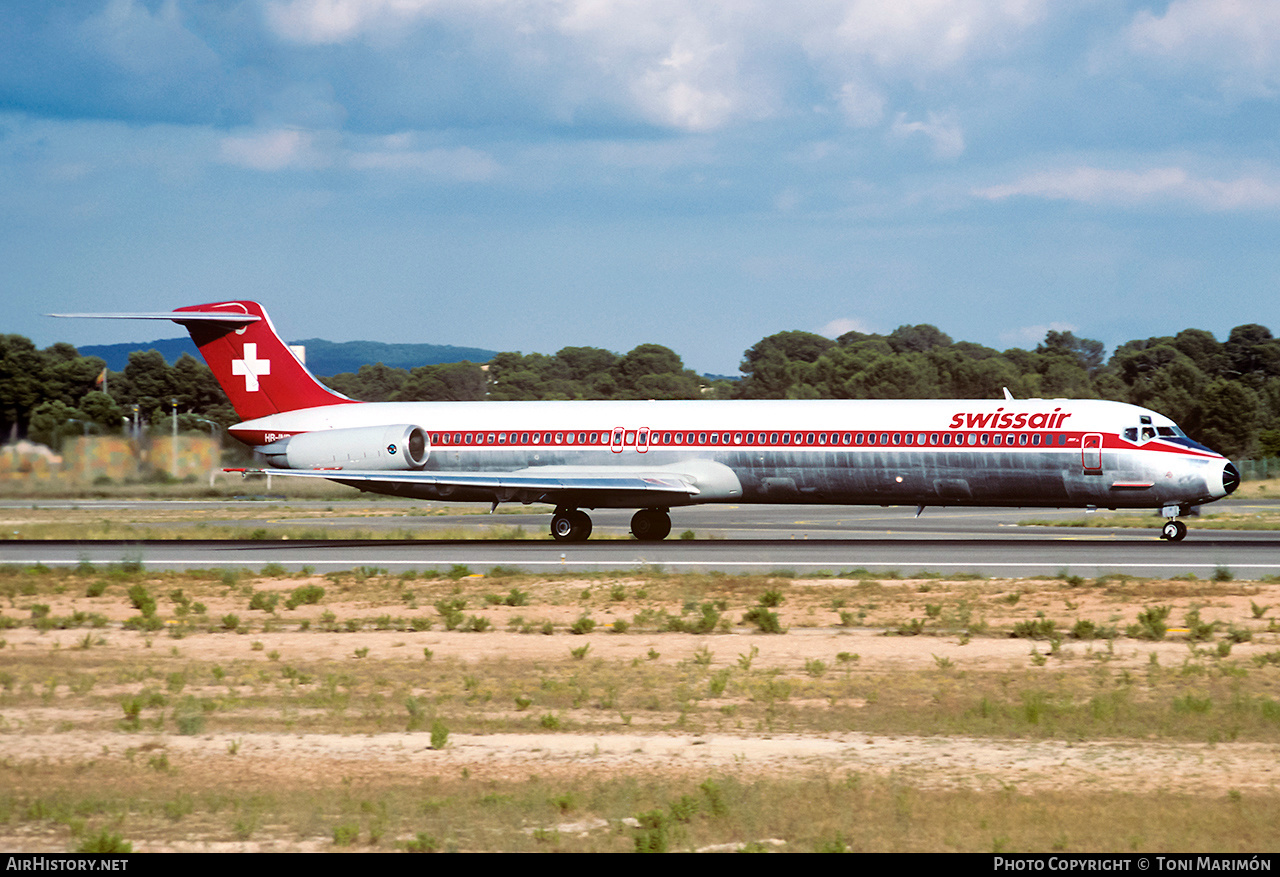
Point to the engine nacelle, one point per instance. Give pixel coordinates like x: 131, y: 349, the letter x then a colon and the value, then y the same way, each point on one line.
x: 399, y: 446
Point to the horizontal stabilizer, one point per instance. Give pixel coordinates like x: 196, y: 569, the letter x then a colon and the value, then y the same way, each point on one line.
x: 255, y: 368
x: 175, y: 316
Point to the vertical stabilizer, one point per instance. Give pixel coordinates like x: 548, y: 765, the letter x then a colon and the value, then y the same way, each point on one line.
x: 256, y: 369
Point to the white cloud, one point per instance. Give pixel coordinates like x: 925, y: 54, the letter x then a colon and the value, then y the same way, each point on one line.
x: 270, y: 150
x: 943, y: 131
x: 1240, y: 39
x: 337, y: 21
x: 930, y: 33
x: 1102, y: 186
x: 461, y: 164
x: 863, y: 105
x: 690, y: 88
x: 839, y: 326
x: 1032, y: 335
x: 145, y: 44
x: 694, y: 65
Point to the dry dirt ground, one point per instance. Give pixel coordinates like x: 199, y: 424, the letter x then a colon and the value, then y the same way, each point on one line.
x: 51, y: 730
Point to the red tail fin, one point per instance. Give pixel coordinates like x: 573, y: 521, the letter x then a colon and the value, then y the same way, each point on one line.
x: 257, y: 371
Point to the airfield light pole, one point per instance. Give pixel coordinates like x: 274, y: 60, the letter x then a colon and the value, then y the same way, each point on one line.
x: 173, y: 455
x: 214, y: 426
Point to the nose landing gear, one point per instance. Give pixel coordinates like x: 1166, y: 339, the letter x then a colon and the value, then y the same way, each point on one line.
x: 1173, y: 531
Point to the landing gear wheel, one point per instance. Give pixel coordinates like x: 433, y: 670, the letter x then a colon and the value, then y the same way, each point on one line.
x: 650, y: 525
x: 1174, y: 531
x: 570, y: 525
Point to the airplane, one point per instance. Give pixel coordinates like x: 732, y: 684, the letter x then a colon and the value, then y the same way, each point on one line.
x: 657, y: 455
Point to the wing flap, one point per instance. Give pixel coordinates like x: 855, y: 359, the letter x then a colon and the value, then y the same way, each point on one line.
x: 600, y: 487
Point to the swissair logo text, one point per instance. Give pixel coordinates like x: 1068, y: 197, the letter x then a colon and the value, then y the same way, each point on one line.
x: 995, y: 420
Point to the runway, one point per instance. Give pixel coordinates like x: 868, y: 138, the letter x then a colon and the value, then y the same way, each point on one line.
x: 799, y: 540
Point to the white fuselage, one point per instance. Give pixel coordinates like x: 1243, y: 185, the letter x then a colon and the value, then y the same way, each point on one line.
x: 1034, y: 452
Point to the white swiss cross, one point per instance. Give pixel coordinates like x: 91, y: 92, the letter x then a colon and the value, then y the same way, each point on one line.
x: 251, y: 367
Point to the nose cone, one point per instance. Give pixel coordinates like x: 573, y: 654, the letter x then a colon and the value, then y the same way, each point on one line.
x: 1230, y: 479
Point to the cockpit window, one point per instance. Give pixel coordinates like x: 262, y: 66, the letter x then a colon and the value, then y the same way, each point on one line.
x: 1131, y: 434
x: 1148, y: 433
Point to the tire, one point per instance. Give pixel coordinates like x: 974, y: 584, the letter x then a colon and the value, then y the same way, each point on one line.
x: 571, y: 526
x: 650, y: 525
x: 582, y: 523
x: 562, y: 528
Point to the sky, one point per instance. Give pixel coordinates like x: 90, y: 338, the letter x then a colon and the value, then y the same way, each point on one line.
x: 534, y: 174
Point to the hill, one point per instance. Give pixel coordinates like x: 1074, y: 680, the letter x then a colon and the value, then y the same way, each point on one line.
x: 324, y: 358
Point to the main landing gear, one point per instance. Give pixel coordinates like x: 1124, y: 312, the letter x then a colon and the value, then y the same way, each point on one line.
x: 650, y: 525
x: 570, y: 525
x: 573, y: 525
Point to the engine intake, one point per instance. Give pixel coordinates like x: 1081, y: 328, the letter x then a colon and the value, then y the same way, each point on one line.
x: 381, y: 448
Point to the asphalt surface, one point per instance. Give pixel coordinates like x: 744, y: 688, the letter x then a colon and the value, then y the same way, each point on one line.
x: 799, y: 539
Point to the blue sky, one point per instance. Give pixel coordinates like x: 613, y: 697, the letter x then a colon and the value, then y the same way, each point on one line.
x: 525, y: 175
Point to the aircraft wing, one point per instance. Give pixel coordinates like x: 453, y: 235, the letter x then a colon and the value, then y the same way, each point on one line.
x: 593, y: 487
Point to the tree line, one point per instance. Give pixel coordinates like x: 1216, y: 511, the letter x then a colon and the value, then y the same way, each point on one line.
x: 1225, y: 394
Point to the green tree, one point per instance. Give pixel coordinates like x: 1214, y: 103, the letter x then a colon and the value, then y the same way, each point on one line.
x: 449, y: 382
x: 1252, y: 354
x: 1227, y: 419
x: 371, y: 383
x: 652, y: 371
x: 22, y: 378
x: 774, y: 364
x: 1086, y: 352
x: 917, y: 339
x: 51, y: 422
